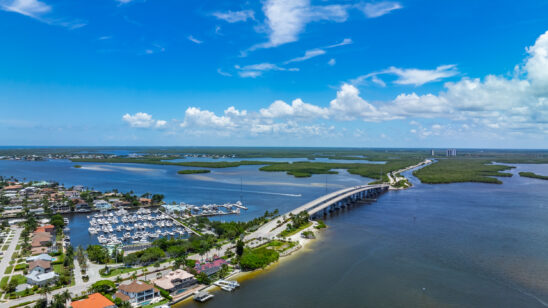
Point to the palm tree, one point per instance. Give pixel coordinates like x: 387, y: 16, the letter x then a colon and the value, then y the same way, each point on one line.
x: 45, y: 291
x: 133, y: 276
x: 66, y: 295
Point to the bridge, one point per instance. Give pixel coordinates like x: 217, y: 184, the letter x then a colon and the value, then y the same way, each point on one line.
x: 340, y: 199
x: 323, y: 205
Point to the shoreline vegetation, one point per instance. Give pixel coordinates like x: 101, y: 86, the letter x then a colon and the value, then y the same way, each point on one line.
x: 458, y: 170
x: 533, y: 175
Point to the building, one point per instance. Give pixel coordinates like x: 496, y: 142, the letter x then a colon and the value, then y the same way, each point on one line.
x: 210, y: 268
x: 95, y: 300
x: 176, y: 281
x: 36, y: 278
x: 433, y: 153
x: 102, y: 205
x: 451, y: 152
x: 40, y: 266
x: 137, y: 293
x: 44, y: 257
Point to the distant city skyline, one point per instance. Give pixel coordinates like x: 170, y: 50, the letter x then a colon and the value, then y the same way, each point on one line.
x: 428, y: 74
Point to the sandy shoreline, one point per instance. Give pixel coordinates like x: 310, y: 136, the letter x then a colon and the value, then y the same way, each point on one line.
x: 245, y: 276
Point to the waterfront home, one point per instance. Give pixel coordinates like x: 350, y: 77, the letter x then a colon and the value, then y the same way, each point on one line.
x: 210, y: 267
x: 102, y: 205
x: 45, y: 228
x: 39, y: 250
x: 176, y: 281
x: 137, y: 293
x: 37, y: 211
x: 82, y: 206
x: 145, y: 201
x: 44, y: 257
x: 40, y: 266
x: 95, y: 300
x: 13, y: 187
x: 41, y: 279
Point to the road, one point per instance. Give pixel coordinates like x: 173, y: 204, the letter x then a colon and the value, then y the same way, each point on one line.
x: 7, y: 257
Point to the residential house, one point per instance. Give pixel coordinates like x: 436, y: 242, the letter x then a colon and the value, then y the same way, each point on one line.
x: 176, y: 281
x: 41, y: 266
x: 210, y: 267
x: 41, y: 279
x: 145, y: 201
x: 102, y: 205
x: 95, y: 300
x: 137, y: 293
x: 44, y: 257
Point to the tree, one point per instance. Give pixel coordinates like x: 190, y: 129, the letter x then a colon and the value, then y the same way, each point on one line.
x: 45, y: 290
x: 240, y: 248
x: 203, y: 278
x: 57, y: 221
x: 11, y: 286
x: 103, y: 286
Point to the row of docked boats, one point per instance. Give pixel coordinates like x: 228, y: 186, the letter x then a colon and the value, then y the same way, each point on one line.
x: 139, y: 237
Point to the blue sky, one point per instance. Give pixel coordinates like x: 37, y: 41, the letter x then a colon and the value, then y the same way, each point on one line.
x: 274, y: 73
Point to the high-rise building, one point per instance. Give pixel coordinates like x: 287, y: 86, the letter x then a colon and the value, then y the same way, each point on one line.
x: 451, y: 152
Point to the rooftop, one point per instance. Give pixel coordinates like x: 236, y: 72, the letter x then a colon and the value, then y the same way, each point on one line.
x: 135, y: 286
x: 95, y: 300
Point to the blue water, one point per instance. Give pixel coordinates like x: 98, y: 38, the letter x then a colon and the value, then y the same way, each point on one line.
x: 259, y: 191
x: 451, y: 245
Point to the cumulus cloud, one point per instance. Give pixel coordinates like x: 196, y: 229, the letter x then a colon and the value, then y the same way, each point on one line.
x: 298, y: 108
x: 493, y: 105
x: 374, y: 10
x: 348, y: 106
x: 236, y: 16
x: 332, y: 62
x: 197, y: 118
x: 143, y: 120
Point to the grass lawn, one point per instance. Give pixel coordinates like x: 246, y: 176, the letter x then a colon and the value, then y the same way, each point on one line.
x: 8, y: 269
x: 5, y: 248
x: 19, y: 278
x: 285, y: 233
x: 4, y: 281
x: 58, y: 268
x: 119, y: 271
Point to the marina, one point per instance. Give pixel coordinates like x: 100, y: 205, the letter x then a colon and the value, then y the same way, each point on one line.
x: 122, y: 227
x: 206, y: 209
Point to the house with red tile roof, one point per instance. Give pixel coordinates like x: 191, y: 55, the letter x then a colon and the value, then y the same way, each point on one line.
x: 210, y: 267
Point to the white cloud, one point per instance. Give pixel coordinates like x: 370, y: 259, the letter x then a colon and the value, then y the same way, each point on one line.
x: 31, y: 8
x: 332, y: 62
x: 298, y: 108
x: 307, y: 55
x: 286, y: 19
x: 373, y: 10
x: 38, y: 10
x: 349, y: 106
x: 143, y: 120
x: 194, y: 40
x: 411, y: 76
x: 236, y: 16
x: 197, y: 118
x: 537, y: 64
x: 346, y: 41
x: 222, y: 73
x: 256, y: 70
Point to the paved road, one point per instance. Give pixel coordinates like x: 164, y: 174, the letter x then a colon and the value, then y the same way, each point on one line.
x: 80, y: 289
x: 6, y: 258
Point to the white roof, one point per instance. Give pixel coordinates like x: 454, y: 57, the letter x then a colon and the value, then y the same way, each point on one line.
x: 43, y: 256
x: 36, y: 276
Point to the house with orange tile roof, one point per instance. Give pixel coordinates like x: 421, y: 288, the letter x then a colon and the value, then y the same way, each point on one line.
x: 95, y: 300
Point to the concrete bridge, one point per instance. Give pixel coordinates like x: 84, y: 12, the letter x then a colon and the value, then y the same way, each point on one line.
x: 340, y: 199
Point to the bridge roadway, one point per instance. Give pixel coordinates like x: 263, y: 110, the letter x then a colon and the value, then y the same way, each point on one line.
x: 322, y: 205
